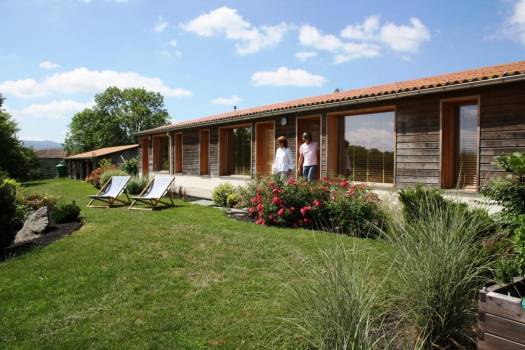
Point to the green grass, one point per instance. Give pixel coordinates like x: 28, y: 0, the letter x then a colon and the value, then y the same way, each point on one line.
x: 181, y: 278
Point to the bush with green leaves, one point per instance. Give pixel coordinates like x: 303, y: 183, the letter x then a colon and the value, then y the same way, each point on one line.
x: 336, y: 304
x: 131, y: 166
x: 106, y: 176
x: 439, y: 267
x: 509, y: 191
x: 233, y: 200
x: 65, y: 212
x: 8, y: 213
x: 221, y: 192
x: 136, y: 184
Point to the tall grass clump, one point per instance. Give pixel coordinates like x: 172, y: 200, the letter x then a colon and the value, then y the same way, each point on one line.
x: 335, y: 304
x: 439, y: 266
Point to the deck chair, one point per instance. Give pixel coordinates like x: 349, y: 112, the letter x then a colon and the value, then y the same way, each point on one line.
x: 152, y: 195
x: 110, y: 191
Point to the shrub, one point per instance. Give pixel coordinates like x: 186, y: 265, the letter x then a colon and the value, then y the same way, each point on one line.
x: 233, y: 200
x: 439, y: 266
x: 330, y: 204
x: 136, y: 185
x: 221, y: 192
x: 108, y: 174
x: 509, y: 191
x: 35, y: 201
x: 335, y: 304
x: 131, y: 166
x: 418, y: 200
x: 105, y: 163
x: 8, y: 213
x: 65, y: 212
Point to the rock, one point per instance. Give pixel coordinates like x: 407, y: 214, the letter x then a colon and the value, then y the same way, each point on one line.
x: 35, y: 224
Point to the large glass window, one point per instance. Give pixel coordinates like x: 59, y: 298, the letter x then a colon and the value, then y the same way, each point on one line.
x: 368, y: 149
x: 161, y: 153
x: 240, y: 151
x: 466, y: 146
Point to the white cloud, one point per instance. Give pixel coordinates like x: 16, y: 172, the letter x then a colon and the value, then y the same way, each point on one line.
x: 48, y: 65
x: 310, y: 36
x: 287, y: 77
x: 60, y: 109
x: 514, y: 26
x: 405, y: 38
x: 366, y: 40
x: 227, y: 22
x: 161, y: 25
x: 365, y: 31
x: 173, y: 43
x: 229, y: 101
x: 305, y: 55
x: 83, y: 80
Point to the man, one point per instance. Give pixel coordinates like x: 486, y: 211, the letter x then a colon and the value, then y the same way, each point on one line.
x: 308, y: 162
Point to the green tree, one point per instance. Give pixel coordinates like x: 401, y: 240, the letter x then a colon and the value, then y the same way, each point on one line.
x: 116, y: 116
x: 17, y: 161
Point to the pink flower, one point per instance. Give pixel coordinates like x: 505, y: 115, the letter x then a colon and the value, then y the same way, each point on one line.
x: 305, y: 210
x: 260, y: 221
x: 317, y: 203
x: 260, y: 207
x: 307, y: 221
x: 351, y: 190
x: 281, y: 212
x: 343, y: 183
x: 251, y: 210
x: 292, y: 181
x: 276, y: 200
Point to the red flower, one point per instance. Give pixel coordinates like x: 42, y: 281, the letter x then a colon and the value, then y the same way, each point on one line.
x: 260, y: 207
x: 251, y: 210
x: 292, y: 181
x: 292, y: 209
x: 351, y: 190
x: 305, y: 210
x: 281, y: 212
x: 343, y: 183
x: 276, y: 200
x: 260, y: 221
x: 307, y: 221
x: 317, y: 203
x: 253, y: 200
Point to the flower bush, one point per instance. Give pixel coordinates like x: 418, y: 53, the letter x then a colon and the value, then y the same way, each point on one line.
x: 329, y: 204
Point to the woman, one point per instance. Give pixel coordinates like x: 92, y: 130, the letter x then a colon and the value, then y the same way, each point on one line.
x: 308, y: 162
x: 283, y: 163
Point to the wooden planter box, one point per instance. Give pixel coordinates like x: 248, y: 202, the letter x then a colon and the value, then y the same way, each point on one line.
x: 501, y: 318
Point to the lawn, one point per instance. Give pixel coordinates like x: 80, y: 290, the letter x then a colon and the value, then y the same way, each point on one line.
x: 182, y: 278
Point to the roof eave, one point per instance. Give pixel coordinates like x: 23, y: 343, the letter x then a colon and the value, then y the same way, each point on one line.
x: 391, y: 96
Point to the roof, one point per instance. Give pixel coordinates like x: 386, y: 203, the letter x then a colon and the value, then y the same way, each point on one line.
x: 485, y: 74
x: 102, y: 152
x: 54, y: 153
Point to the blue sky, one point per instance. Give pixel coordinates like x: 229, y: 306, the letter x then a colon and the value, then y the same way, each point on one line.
x: 206, y: 56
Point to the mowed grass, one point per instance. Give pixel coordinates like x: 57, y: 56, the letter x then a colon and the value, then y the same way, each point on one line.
x: 182, y: 278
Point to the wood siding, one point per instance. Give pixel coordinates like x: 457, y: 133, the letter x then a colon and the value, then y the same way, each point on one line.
x: 418, y: 133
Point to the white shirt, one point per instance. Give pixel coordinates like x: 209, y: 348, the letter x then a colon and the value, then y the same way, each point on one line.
x: 283, y: 160
x: 309, y: 153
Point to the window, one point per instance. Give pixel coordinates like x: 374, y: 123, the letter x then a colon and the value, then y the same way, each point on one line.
x: 235, y: 151
x: 161, y: 154
x: 368, y: 147
x: 459, y: 145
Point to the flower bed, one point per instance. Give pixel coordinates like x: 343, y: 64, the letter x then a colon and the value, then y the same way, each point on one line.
x: 330, y: 204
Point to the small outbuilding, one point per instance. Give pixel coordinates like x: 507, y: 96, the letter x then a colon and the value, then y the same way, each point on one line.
x: 49, y: 158
x: 80, y: 165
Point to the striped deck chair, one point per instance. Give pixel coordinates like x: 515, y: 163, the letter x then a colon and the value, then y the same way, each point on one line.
x: 152, y: 195
x: 110, y: 191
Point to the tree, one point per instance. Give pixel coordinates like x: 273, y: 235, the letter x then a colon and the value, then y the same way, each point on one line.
x: 17, y: 161
x: 114, y: 119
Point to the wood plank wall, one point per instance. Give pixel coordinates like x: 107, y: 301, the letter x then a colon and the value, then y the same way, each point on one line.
x: 502, y: 130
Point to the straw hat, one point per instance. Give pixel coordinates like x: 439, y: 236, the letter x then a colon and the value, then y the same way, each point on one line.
x: 281, y: 139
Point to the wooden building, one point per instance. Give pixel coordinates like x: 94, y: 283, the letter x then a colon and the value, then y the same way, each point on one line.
x: 441, y: 131
x: 79, y: 166
x: 49, y: 159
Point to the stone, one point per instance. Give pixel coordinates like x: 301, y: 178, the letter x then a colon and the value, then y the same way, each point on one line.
x: 35, y: 224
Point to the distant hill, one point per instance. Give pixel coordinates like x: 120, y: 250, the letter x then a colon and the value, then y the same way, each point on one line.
x: 38, y: 145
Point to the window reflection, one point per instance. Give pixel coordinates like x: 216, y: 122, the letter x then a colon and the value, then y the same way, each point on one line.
x: 369, y: 147
x: 466, y: 146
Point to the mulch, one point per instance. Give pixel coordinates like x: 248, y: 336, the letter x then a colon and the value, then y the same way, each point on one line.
x: 53, y: 233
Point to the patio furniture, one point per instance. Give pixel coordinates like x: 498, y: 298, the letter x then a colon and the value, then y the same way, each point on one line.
x: 110, y: 191
x: 152, y: 195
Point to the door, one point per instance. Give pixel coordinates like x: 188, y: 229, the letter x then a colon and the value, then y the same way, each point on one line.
x: 204, y: 151
x: 145, y: 157
x: 265, y: 148
x: 313, y: 126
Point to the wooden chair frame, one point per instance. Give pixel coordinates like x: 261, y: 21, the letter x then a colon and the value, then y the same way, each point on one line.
x: 109, y: 200
x: 152, y: 202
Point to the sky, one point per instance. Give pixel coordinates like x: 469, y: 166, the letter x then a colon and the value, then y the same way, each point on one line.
x: 204, y: 57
